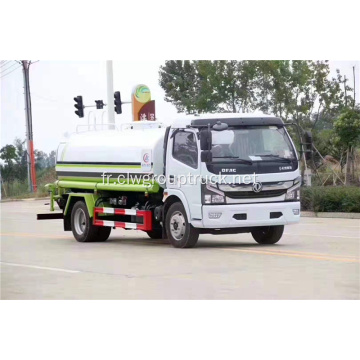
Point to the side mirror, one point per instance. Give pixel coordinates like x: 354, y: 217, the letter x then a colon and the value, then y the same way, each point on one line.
x: 206, y: 156
x: 205, y: 139
x: 308, y: 145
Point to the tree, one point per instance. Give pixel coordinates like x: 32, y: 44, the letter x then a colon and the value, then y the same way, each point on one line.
x: 41, y: 159
x: 178, y: 79
x: 51, y: 161
x: 209, y: 86
x: 15, y: 161
x: 297, y: 90
x: 8, y: 154
x: 234, y: 82
x: 347, y: 130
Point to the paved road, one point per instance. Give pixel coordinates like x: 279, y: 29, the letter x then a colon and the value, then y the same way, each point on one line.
x: 316, y: 259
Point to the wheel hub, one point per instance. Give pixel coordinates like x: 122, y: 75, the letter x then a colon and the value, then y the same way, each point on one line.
x: 80, y: 221
x: 177, y: 225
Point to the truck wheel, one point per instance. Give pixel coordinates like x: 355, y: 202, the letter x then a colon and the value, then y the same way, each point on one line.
x: 155, y: 234
x: 81, y: 226
x: 268, y: 234
x: 103, y: 233
x: 181, y: 233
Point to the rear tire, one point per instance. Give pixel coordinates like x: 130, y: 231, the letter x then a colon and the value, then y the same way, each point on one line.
x: 180, y: 232
x: 103, y: 233
x: 82, y: 227
x: 268, y: 235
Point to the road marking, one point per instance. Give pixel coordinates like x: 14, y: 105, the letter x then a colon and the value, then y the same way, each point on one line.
x: 40, y: 267
x: 35, y: 235
x: 294, y: 255
x: 310, y: 253
x: 325, y: 236
x: 323, y: 224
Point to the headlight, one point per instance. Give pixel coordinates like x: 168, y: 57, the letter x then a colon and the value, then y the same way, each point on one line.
x: 293, y: 195
x: 217, y: 199
x: 212, y: 195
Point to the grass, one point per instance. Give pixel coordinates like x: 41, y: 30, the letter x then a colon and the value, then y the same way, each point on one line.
x: 19, y: 189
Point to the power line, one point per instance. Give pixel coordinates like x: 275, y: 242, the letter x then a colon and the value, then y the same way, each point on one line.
x: 10, y: 72
x: 12, y: 65
x: 5, y: 62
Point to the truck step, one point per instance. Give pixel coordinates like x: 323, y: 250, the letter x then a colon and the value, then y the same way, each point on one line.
x: 145, y: 214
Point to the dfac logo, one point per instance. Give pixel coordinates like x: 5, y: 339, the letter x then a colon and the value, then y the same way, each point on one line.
x: 228, y: 170
x: 146, y: 158
x: 257, y: 187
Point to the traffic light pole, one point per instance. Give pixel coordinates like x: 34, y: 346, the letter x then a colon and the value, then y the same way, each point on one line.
x: 110, y: 94
x: 29, y: 133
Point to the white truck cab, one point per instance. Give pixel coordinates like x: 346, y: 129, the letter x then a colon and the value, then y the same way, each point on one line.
x: 249, y: 171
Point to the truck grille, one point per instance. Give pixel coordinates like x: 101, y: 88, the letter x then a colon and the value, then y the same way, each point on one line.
x: 254, y: 195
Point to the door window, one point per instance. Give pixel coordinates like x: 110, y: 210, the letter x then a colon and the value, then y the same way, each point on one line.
x: 185, y: 148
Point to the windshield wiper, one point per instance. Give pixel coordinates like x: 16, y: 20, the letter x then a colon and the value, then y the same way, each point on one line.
x: 278, y: 157
x: 245, y: 161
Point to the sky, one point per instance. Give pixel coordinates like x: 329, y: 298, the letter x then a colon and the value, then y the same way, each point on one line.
x: 54, y: 84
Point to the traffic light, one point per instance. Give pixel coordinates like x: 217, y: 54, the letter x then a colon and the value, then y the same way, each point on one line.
x: 99, y: 104
x: 117, y: 102
x: 79, y: 106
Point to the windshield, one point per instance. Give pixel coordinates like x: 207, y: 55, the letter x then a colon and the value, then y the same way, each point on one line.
x: 257, y: 143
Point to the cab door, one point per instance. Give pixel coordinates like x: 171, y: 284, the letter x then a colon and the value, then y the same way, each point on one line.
x: 183, y: 168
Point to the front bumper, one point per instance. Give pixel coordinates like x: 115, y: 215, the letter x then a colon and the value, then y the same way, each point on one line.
x: 256, y: 214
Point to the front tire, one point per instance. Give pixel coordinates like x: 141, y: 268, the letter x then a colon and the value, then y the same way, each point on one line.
x: 180, y: 232
x: 268, y: 235
x: 155, y: 234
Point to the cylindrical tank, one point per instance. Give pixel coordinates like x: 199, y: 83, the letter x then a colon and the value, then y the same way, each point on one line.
x: 134, y: 151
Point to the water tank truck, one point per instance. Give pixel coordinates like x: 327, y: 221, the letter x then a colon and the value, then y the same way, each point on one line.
x: 217, y: 174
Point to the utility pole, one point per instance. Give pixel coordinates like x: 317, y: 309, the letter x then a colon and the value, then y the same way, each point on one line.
x: 29, y: 133
x: 110, y: 94
x: 354, y: 87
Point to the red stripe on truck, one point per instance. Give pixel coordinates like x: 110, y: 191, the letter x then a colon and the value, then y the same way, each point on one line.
x: 145, y: 214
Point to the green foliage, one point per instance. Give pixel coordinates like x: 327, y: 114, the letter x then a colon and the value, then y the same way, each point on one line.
x: 179, y: 80
x: 347, y: 127
x: 288, y: 89
x: 328, y: 143
x: 14, y: 169
x: 19, y: 189
x: 15, y: 161
x: 14, y: 157
x: 331, y: 199
x: 8, y: 154
x: 209, y: 86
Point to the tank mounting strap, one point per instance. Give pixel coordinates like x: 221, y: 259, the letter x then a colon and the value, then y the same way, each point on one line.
x: 145, y: 214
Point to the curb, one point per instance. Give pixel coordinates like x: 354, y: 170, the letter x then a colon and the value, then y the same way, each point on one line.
x: 30, y: 199
x: 330, y: 215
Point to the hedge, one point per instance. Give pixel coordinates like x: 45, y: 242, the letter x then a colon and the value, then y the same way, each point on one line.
x: 331, y: 199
